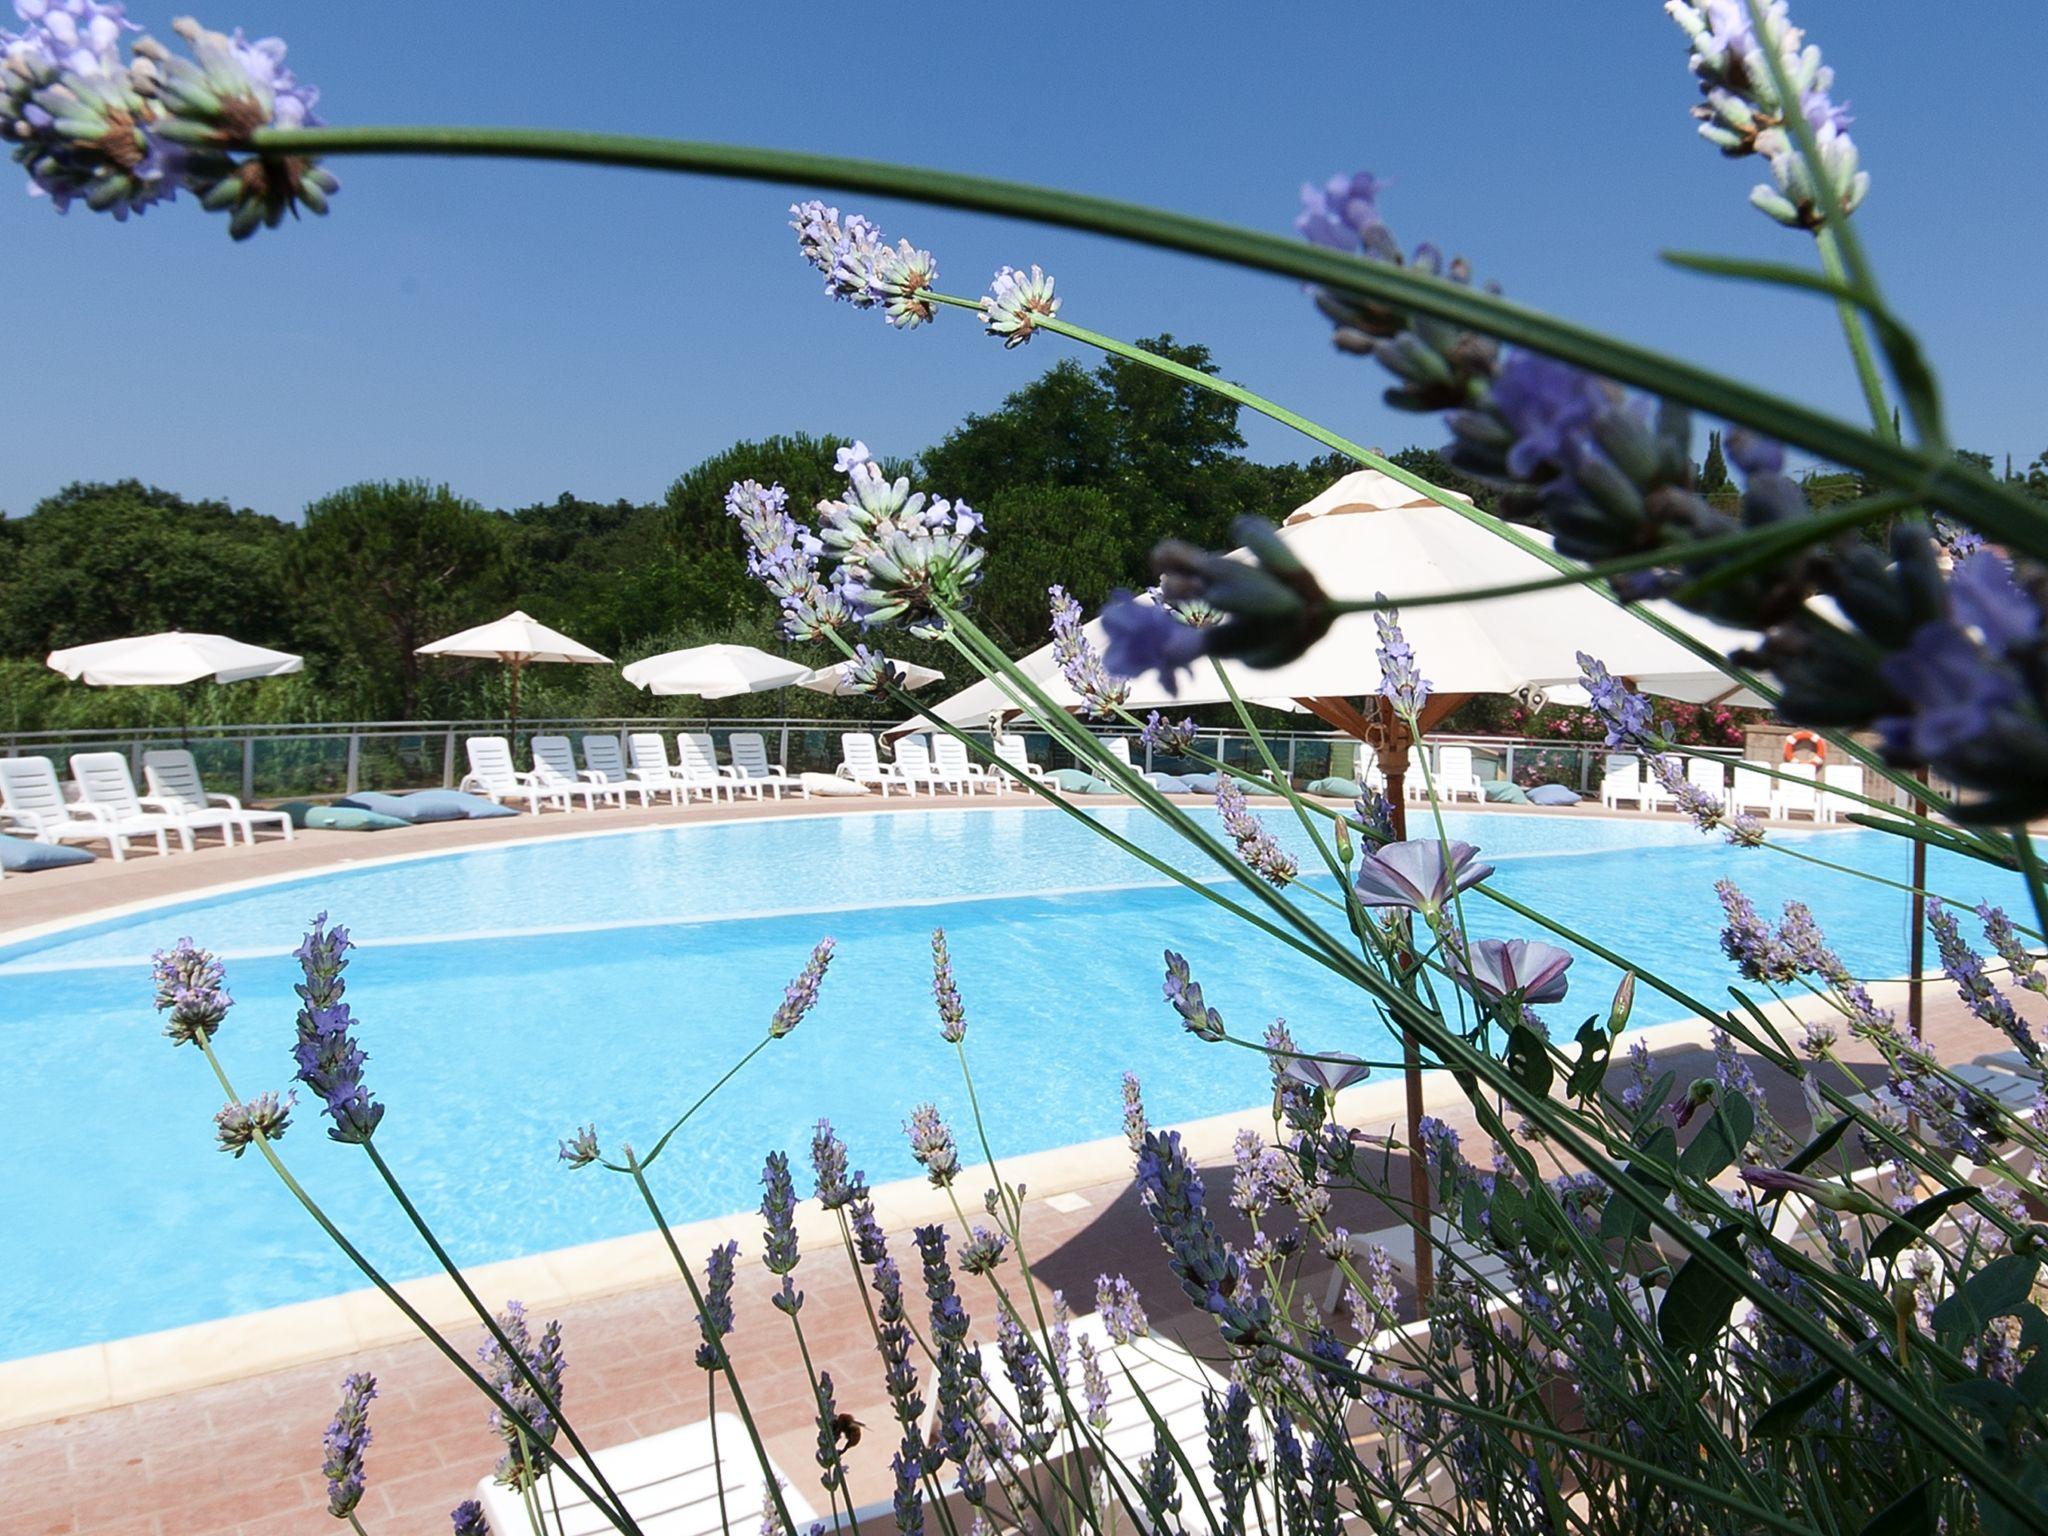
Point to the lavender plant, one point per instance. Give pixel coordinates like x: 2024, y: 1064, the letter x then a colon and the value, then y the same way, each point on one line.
x: 1656, y: 1307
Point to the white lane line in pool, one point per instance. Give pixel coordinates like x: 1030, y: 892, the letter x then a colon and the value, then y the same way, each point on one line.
x: 32, y: 967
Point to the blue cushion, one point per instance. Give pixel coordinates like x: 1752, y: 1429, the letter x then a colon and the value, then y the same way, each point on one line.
x: 398, y: 807
x: 1100, y: 787
x: 1169, y: 784
x: 1340, y: 787
x: 346, y: 818
x: 1503, y: 792
x: 1200, y: 783
x: 20, y: 855
x: 1072, y: 780
x: 475, y: 807
x: 1554, y: 794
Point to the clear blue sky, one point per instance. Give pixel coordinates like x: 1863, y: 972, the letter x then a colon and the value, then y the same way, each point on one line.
x: 518, y: 330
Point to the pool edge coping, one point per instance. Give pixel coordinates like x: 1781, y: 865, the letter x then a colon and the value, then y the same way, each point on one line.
x: 38, y: 1389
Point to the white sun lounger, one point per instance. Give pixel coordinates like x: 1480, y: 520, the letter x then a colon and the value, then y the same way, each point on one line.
x: 1416, y: 785
x: 32, y: 801
x: 1706, y: 775
x: 1621, y: 780
x: 1753, y: 788
x: 1836, y: 780
x: 106, y: 789
x: 861, y: 761
x: 554, y: 767
x: 1016, y: 758
x: 913, y: 765
x: 951, y: 763
x: 697, y: 766
x: 750, y: 764
x: 651, y: 767
x: 1455, y: 778
x: 1796, y: 793
x: 605, y: 763
x: 670, y: 1484
x: 174, y: 783
x: 492, y: 775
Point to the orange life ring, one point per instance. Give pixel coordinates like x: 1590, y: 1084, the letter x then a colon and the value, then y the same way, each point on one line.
x: 1800, y: 739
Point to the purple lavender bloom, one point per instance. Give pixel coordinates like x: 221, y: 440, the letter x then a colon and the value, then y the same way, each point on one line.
x: 902, y: 279
x: 932, y: 1145
x: 957, y: 1367
x: 715, y: 1318
x: 1141, y: 638
x: 1401, y: 684
x: 329, y: 1060
x: 901, y: 553
x: 1552, y: 408
x: 1419, y: 875
x: 893, y: 1340
x: 831, y: 1459
x: 580, y: 1150
x: 1747, y: 939
x: 801, y: 995
x: 908, y: 1498
x: 1168, y: 738
x: 192, y: 987
x: 1229, y: 1422
x: 870, y: 1243
x: 1017, y: 303
x: 347, y: 1438
x: 1211, y: 1275
x: 238, y: 1125
x: 526, y: 1454
x: 1257, y: 1178
x: 778, y: 1242
x: 1956, y: 692
x: 1511, y: 970
x: 1990, y: 604
x: 782, y: 555
x: 836, y: 1187
x: 1375, y: 813
x: 1025, y: 1369
x: 870, y: 672
x: 1185, y: 993
x: 1134, y: 1112
x: 1342, y: 212
x: 1261, y: 853
x: 1965, y: 967
x: 1626, y: 713
x: 2020, y: 960
x: 952, y: 1012
x: 1118, y: 1305
x: 1280, y: 1051
x: 1329, y: 1071
x: 1094, y: 1387
x: 983, y: 1251
x: 842, y: 249
x: 1158, y: 1483
x: 1078, y: 660
x: 468, y: 1519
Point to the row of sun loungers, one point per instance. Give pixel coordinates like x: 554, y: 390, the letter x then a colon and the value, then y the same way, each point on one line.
x: 614, y: 773
x: 106, y: 807
x: 1744, y: 786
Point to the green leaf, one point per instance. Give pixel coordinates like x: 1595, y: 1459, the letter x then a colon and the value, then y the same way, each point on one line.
x: 1820, y: 1146
x: 1997, y: 1290
x: 1596, y: 1048
x: 1620, y: 1218
x: 1910, y: 1514
x: 1720, y: 1141
x: 1782, y: 1417
x: 1529, y: 1059
x: 1697, y: 1305
x: 1911, y: 1224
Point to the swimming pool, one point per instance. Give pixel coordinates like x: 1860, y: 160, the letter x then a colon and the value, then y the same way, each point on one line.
x: 507, y: 995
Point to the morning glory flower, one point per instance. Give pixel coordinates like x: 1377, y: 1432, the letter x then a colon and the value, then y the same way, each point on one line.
x: 1185, y: 993
x: 1017, y: 302
x: 1419, y: 874
x: 1331, y: 1071
x: 1825, y: 1193
x: 347, y: 1437
x: 1510, y: 970
x: 801, y: 995
x: 238, y: 1125
x: 1079, y: 662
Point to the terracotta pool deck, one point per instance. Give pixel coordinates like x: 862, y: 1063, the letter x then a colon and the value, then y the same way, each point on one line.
x: 240, y: 1456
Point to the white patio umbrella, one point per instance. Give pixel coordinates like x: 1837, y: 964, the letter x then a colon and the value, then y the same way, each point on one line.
x: 166, y: 660
x: 517, y: 640
x: 714, y: 671
x: 834, y: 679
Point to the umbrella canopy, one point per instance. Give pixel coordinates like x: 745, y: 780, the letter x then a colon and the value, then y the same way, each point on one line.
x: 143, y: 661
x: 714, y: 671
x: 1368, y: 533
x: 833, y: 679
x: 516, y: 639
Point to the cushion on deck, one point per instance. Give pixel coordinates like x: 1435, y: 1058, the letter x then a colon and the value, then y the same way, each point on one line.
x: 1169, y: 784
x: 1343, y: 789
x: 831, y: 784
x: 475, y: 807
x: 1072, y: 780
x: 1501, y: 792
x: 1200, y: 783
x: 398, y: 807
x: 344, y: 818
x: 1553, y: 794
x: 19, y: 855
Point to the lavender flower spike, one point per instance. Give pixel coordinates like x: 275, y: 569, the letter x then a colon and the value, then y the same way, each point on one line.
x: 1185, y: 993
x: 525, y: 1455
x: 1017, y: 302
x: 778, y: 1244
x: 348, y: 1436
x: 1261, y: 853
x: 1420, y: 874
x: 932, y: 1145
x: 1626, y: 713
x: 1079, y: 662
x: 1400, y: 683
x: 1134, y: 1112
x: 714, y: 1320
x: 580, y: 1150
x: 836, y: 1186
x: 2020, y: 960
x: 1168, y: 738
x: 1965, y: 967
x: 192, y: 988
x: 952, y: 1012
x: 903, y: 278
x: 1511, y: 970
x: 467, y: 1518
x: 238, y: 1125
x: 329, y: 1060
x: 801, y: 995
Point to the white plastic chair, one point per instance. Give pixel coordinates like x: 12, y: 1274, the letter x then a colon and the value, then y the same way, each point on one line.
x: 913, y: 765
x: 1753, y: 789
x: 1016, y: 758
x: 651, y: 767
x: 953, y: 766
x: 1415, y: 785
x: 174, y: 783
x: 32, y: 801
x: 697, y: 766
x: 1797, y: 793
x: 670, y: 1484
x: 750, y: 764
x: 1455, y: 777
x: 1705, y: 774
x: 1838, y: 779
x: 861, y: 761
x: 492, y: 775
x: 554, y: 767
x: 1621, y: 779
x: 605, y: 763
x: 106, y: 788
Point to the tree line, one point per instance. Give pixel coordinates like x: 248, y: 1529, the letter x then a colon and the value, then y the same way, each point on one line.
x: 1079, y: 473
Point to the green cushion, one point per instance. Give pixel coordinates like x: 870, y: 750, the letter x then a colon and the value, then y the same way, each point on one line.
x: 1100, y: 787
x: 346, y: 818
x: 1502, y: 792
x: 1342, y: 788
x: 1072, y: 780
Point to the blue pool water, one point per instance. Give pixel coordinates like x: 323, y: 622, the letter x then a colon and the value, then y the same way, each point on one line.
x: 506, y: 996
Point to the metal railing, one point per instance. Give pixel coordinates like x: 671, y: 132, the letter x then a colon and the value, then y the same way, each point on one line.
x: 291, y: 760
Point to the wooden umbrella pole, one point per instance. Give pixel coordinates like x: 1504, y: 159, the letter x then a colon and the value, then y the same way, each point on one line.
x: 1917, y: 942
x: 516, y: 662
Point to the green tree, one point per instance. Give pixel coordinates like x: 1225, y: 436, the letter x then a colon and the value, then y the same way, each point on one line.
x: 1714, y: 472
x: 385, y: 566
